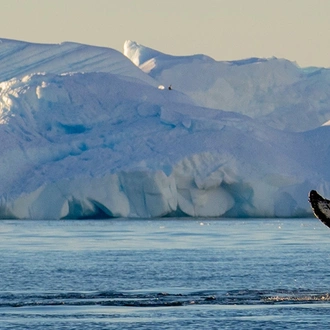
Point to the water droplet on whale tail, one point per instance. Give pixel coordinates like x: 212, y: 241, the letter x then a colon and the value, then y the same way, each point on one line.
x: 320, y: 207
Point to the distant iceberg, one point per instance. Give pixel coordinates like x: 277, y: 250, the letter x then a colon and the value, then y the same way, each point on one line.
x: 275, y: 91
x: 86, y: 133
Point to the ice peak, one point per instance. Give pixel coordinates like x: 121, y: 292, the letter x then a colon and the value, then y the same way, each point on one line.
x: 137, y: 53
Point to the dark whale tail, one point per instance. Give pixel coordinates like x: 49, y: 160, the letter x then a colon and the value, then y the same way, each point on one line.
x: 320, y: 207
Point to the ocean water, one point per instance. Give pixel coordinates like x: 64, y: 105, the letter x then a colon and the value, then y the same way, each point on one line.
x: 165, y: 274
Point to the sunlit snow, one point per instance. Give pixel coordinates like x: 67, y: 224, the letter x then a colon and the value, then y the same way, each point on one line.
x: 85, y: 132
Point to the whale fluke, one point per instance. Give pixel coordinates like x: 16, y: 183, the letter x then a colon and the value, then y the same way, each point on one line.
x: 320, y: 207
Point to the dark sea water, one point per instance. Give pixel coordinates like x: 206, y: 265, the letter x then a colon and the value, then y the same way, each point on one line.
x: 165, y: 274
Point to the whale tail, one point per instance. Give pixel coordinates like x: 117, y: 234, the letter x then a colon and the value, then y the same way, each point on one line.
x: 320, y: 207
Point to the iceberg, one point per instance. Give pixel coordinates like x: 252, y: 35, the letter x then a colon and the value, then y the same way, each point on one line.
x: 87, y: 133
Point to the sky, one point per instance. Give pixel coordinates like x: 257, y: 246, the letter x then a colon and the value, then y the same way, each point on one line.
x: 297, y: 30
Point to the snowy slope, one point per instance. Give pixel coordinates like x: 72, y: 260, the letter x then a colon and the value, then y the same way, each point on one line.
x: 276, y: 91
x: 108, y: 143
x: 18, y: 59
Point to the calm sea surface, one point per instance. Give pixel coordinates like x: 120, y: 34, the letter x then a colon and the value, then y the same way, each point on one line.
x: 165, y: 274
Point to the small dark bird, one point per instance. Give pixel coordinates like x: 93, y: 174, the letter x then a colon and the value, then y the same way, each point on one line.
x: 320, y: 207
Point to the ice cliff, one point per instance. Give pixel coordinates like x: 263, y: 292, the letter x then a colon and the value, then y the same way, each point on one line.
x: 87, y: 133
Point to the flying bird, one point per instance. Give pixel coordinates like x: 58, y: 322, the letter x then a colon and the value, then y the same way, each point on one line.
x: 320, y: 207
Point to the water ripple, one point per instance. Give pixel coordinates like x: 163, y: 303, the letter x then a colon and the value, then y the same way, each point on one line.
x: 161, y: 299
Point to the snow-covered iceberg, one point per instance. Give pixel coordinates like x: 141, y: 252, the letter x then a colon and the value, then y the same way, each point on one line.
x: 85, y: 132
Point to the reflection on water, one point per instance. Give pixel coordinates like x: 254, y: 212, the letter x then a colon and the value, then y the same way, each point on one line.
x: 165, y: 274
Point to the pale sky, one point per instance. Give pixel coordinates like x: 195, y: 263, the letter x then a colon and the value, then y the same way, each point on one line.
x: 298, y: 30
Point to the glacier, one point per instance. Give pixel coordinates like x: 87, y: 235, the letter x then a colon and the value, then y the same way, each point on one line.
x: 86, y: 132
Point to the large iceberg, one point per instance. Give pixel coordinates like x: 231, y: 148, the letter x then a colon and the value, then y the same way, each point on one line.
x: 87, y: 133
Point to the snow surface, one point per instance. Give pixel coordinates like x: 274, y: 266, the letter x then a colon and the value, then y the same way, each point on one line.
x: 85, y: 132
